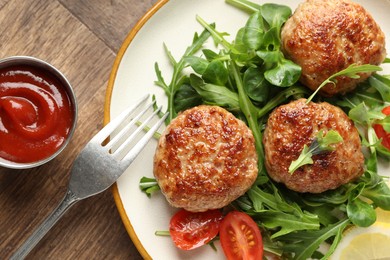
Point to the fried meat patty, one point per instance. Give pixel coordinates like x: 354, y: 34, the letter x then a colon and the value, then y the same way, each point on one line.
x: 205, y: 159
x: 293, y: 125
x: 325, y: 37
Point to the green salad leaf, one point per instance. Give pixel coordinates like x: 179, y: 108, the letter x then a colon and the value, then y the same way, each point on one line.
x: 352, y: 71
x: 303, y: 244
x: 382, y: 84
x: 178, y: 77
x: 303, y: 159
x: 320, y: 144
x: 148, y: 185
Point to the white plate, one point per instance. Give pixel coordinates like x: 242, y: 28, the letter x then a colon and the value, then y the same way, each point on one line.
x: 173, y: 23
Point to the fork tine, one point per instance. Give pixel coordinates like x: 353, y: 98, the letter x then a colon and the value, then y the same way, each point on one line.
x: 111, y: 126
x: 126, y: 143
x: 129, y: 158
x: 126, y: 129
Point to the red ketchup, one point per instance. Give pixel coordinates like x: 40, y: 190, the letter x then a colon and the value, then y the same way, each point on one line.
x: 36, y: 114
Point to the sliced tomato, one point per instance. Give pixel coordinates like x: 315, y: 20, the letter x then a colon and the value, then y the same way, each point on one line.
x: 240, y: 237
x: 381, y: 133
x: 386, y: 110
x: 190, y: 230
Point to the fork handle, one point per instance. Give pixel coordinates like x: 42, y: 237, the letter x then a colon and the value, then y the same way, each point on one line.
x: 49, y: 222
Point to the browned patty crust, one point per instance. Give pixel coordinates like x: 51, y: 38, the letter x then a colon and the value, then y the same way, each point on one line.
x: 205, y: 159
x: 325, y: 37
x: 293, y: 125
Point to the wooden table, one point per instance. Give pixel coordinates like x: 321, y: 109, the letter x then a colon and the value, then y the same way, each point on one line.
x: 80, y: 38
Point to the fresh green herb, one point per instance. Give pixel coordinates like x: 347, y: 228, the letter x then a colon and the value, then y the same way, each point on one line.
x: 245, y: 5
x: 304, y: 243
x: 178, y: 77
x: 382, y: 84
x: 321, y: 143
x: 352, y: 71
x: 162, y: 233
x: 148, y: 185
x: 288, y: 216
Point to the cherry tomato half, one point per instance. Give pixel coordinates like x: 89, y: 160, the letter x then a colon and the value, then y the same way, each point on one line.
x: 381, y: 133
x: 190, y: 230
x: 240, y: 237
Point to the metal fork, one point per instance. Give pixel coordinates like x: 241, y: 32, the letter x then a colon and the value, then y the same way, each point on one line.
x: 100, y: 164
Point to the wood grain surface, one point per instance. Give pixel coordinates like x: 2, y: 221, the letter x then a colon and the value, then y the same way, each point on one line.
x: 80, y: 38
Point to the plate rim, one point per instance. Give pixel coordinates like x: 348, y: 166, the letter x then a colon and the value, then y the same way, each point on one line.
x: 107, y: 109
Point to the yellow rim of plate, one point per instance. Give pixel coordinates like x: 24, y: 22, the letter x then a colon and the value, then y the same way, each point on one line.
x: 107, y: 105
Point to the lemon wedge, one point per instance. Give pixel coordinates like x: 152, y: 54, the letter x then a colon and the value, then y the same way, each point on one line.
x: 365, y: 243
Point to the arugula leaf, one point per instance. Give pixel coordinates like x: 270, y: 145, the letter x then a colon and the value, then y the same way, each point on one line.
x: 280, y: 98
x: 363, y: 93
x: 364, y: 116
x: 379, y: 194
x: 288, y: 223
x: 217, y: 36
x: 324, y: 142
x: 245, y: 5
x: 148, y: 186
x: 178, y: 77
x: 382, y: 84
x: 250, y: 112
x: 271, y: 200
x: 351, y: 71
x: 331, y: 197
x: 319, y: 145
x: 275, y: 212
x: 309, y: 241
x: 303, y: 159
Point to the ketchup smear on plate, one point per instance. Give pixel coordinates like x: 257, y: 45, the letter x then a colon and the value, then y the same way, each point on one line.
x: 35, y: 114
